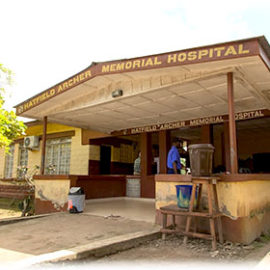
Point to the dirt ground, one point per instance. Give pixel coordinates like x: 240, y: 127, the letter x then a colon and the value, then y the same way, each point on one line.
x: 8, y: 209
x: 8, y: 213
x: 196, y: 251
x: 197, y: 254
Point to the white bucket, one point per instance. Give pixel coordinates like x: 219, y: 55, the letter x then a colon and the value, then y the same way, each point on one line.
x: 133, y: 187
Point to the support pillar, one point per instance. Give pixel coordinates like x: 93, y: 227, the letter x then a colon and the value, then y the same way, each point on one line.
x: 232, y: 127
x: 147, y: 181
x: 226, y: 146
x: 164, y: 146
x: 146, y: 154
x: 43, y: 150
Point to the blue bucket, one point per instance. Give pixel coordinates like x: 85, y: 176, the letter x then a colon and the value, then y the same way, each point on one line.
x: 183, y: 193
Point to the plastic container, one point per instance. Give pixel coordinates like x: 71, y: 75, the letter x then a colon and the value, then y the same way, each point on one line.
x: 133, y: 188
x: 201, y: 159
x: 76, y: 200
x: 183, y: 193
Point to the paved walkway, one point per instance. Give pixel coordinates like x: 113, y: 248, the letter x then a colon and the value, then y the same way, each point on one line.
x: 131, y: 208
x: 60, y: 235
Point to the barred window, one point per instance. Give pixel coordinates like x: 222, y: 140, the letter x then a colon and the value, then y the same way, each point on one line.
x: 9, y: 162
x: 23, y: 159
x: 57, y: 156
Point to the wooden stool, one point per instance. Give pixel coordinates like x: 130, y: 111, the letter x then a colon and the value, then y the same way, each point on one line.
x: 213, y: 210
x: 213, y: 213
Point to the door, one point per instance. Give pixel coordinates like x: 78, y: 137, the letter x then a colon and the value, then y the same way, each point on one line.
x: 105, y: 159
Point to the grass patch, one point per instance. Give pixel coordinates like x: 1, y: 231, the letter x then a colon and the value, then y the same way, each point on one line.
x: 257, y: 244
x: 265, y: 237
x: 262, y: 240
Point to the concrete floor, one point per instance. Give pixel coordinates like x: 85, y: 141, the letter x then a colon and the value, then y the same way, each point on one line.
x: 132, y: 208
x: 103, y: 221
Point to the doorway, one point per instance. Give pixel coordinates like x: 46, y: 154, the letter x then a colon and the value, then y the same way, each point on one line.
x: 105, y: 159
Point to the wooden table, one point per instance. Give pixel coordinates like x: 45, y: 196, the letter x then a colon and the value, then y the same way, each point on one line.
x: 213, y: 213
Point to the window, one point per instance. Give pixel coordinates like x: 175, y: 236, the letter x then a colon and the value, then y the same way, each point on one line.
x: 9, y: 162
x: 23, y: 160
x: 57, y: 156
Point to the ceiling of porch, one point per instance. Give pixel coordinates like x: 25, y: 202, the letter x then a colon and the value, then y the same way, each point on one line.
x: 160, y: 95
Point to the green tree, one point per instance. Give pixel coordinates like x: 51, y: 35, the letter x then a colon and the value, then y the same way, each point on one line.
x: 10, y: 126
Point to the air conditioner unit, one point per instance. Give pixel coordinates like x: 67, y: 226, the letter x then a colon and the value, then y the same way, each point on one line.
x: 31, y: 142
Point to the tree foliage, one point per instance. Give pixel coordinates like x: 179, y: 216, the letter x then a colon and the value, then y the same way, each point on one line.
x: 10, y: 126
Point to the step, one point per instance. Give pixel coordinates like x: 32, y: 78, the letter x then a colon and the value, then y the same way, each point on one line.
x: 13, y: 195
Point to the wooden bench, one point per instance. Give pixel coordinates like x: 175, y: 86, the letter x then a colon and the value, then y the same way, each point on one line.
x: 15, y: 191
x: 213, y: 213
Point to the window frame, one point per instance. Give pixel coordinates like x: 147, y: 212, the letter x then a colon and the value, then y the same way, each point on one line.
x: 9, y: 162
x: 58, y: 156
x: 25, y: 159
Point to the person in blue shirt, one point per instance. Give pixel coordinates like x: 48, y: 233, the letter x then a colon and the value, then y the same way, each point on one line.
x: 173, y: 159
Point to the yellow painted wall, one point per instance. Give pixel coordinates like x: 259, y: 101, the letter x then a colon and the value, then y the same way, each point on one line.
x: 236, y: 199
x: 79, y: 155
x: 94, y: 153
x: 34, y: 157
x: 115, y: 154
x: 242, y: 199
x: 51, y: 128
x: 55, y: 191
x: 124, y: 153
x: 15, y: 160
x: 166, y: 193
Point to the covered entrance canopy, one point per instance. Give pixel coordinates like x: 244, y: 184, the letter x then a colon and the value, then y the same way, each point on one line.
x: 199, y: 86
x: 171, y: 88
x: 195, y: 87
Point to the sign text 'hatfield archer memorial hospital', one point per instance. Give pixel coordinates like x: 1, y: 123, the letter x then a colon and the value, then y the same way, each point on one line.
x: 190, y: 56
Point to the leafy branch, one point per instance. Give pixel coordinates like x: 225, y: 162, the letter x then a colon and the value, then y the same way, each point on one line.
x: 10, y: 126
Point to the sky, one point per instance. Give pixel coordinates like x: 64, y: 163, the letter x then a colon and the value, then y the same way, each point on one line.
x: 45, y: 42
